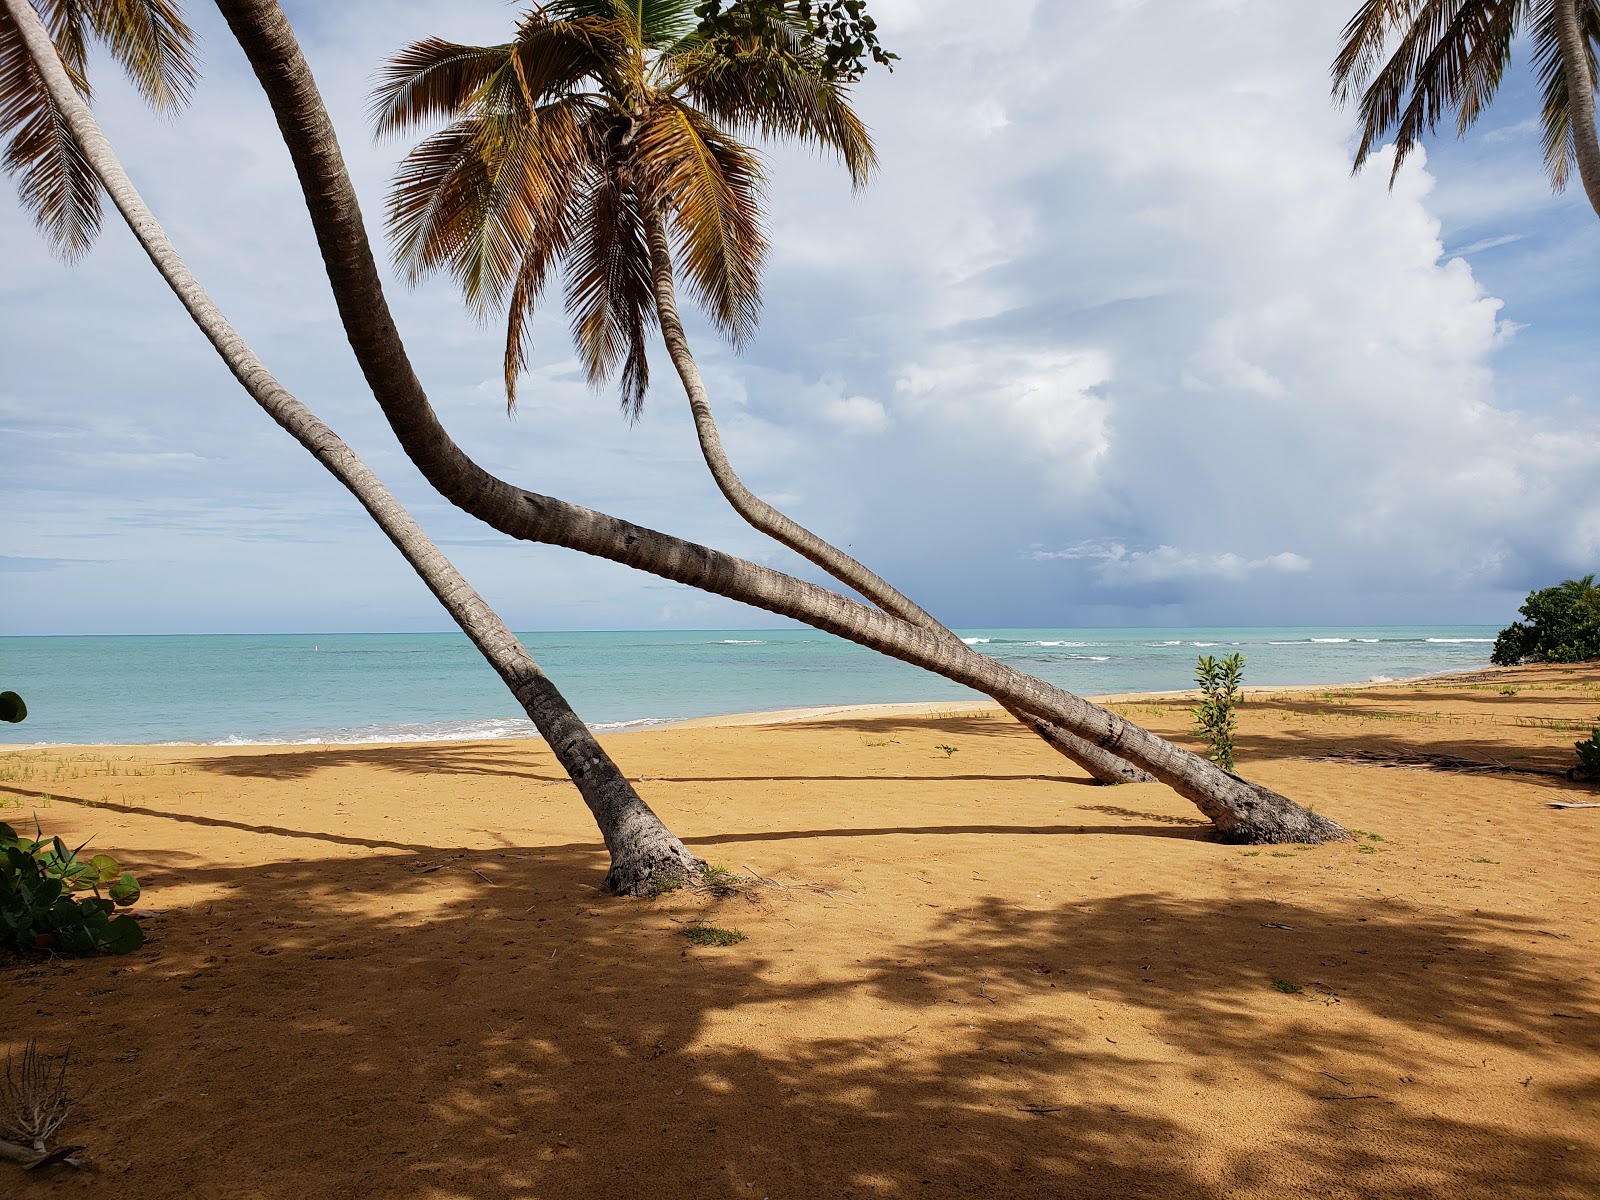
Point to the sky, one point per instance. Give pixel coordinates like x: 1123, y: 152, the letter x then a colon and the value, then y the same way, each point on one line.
x: 1114, y: 337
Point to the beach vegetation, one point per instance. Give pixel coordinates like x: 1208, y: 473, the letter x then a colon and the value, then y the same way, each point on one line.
x: 700, y: 933
x: 1216, y: 716
x: 1287, y: 988
x: 948, y: 750
x: 1408, y: 62
x: 718, y: 880
x: 1588, y: 768
x: 12, y: 709
x: 1559, y: 624
x: 53, y: 900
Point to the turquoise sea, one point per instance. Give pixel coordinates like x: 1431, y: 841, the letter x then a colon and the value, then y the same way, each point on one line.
x: 242, y: 689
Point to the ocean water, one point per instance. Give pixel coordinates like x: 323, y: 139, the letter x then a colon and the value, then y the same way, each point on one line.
x: 243, y: 689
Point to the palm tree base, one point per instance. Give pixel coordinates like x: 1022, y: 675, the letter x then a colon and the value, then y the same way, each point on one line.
x: 650, y: 863
x: 1272, y: 820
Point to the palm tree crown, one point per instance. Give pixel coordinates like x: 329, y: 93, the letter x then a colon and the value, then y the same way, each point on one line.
x: 567, y: 145
x: 1452, y: 55
x: 153, y: 45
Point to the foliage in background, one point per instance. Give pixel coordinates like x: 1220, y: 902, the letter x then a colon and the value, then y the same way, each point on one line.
x: 50, y: 899
x: 1215, y: 717
x: 12, y: 708
x: 841, y: 30
x: 1560, y: 624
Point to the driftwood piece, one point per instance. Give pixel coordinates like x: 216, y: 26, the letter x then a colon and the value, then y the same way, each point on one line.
x: 1573, y: 804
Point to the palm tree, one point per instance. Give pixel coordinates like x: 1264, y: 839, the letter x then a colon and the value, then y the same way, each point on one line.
x: 643, y: 851
x: 1242, y: 811
x: 600, y: 140
x: 1452, y: 54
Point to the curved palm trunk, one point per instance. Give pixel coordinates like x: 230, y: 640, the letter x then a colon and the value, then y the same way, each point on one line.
x: 1102, y: 765
x: 642, y: 848
x: 1241, y: 811
x: 1580, y: 98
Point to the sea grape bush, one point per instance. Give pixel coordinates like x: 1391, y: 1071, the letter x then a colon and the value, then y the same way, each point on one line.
x: 1560, y: 624
x: 1215, y: 717
x: 50, y: 899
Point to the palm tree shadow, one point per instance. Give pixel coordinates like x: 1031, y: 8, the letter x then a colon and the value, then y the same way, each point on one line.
x: 506, y: 1031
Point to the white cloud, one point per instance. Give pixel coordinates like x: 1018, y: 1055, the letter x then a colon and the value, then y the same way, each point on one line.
x: 1114, y: 286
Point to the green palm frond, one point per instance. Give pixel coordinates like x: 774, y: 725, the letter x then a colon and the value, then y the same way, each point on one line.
x: 505, y: 197
x: 610, y: 299
x: 712, y: 186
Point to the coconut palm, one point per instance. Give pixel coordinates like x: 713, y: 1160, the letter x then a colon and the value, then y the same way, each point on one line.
x: 1450, y: 55
x: 1241, y: 810
x: 603, y: 141
x: 644, y: 853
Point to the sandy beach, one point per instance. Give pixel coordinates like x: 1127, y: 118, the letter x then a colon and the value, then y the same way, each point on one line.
x: 388, y: 970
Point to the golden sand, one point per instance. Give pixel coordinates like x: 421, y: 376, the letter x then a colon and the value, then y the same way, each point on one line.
x: 387, y: 970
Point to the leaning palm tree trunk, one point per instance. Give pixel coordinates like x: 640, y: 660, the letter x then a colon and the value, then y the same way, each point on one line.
x: 1242, y: 811
x: 1104, y: 766
x: 642, y: 849
x: 1576, y: 66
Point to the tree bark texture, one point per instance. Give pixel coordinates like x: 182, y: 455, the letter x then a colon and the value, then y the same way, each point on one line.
x: 642, y: 849
x: 1575, y: 65
x: 1102, y: 766
x: 1241, y: 811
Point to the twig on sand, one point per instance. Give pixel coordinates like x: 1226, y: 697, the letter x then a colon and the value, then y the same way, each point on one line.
x: 762, y: 881
x: 34, y: 1103
x: 1573, y: 804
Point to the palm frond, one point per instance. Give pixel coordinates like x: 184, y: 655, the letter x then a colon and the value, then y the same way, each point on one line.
x: 151, y: 42
x: 474, y: 196
x: 1451, y: 55
x: 543, y: 253
x: 768, y: 83
x: 609, y: 296
x: 1555, y: 113
x: 712, y: 186
x: 653, y: 24
x: 54, y: 182
x: 431, y: 79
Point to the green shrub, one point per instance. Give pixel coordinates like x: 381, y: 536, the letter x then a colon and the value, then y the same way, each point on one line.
x: 12, y: 708
x: 1215, y: 716
x: 1588, y: 757
x: 50, y: 898
x: 1560, y: 624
